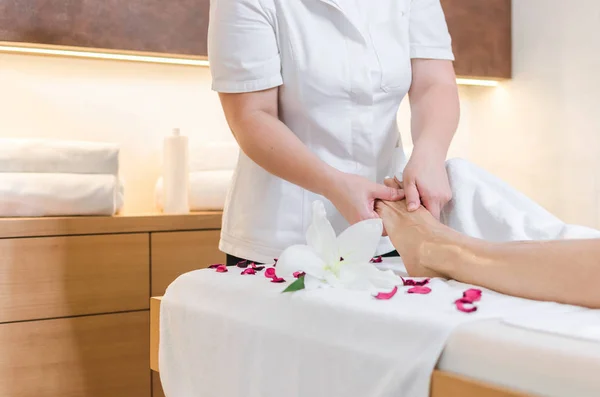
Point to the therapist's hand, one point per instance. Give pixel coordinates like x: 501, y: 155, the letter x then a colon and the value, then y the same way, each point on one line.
x: 354, y: 196
x: 425, y: 180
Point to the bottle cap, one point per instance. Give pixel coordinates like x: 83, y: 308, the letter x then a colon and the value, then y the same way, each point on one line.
x: 176, y: 132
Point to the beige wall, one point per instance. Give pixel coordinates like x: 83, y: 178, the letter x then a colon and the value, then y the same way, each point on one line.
x: 540, y: 131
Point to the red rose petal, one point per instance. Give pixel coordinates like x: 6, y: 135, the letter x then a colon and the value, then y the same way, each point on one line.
x: 465, y: 306
x: 275, y: 264
x: 419, y: 290
x: 277, y: 280
x: 386, y: 295
x: 377, y: 259
x: 472, y: 295
x: 414, y: 283
x: 270, y: 273
x: 248, y: 271
x: 256, y: 267
x: 299, y: 274
x: 216, y: 265
x: 243, y: 264
x: 222, y: 269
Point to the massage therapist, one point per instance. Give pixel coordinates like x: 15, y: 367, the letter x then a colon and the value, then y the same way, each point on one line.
x: 311, y: 91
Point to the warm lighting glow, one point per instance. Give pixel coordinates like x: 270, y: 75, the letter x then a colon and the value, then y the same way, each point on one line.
x: 478, y: 82
x: 104, y: 55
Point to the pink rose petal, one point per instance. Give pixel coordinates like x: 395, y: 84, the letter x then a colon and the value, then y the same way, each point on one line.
x: 256, y: 267
x: 408, y: 282
x: 275, y: 264
x: 277, y: 280
x: 377, y: 259
x: 216, y: 265
x: 386, y: 295
x: 472, y: 295
x: 419, y: 290
x: 270, y: 273
x: 465, y: 305
x: 248, y: 270
x: 222, y: 269
x: 243, y: 264
x: 299, y: 274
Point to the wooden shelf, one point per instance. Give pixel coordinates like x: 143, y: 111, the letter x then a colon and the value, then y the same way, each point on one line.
x: 67, y: 226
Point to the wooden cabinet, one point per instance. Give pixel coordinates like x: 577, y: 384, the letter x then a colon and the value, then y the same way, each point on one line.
x: 97, y: 356
x: 481, y: 37
x: 175, y: 253
x: 157, y: 390
x: 49, y: 277
x: 75, y: 296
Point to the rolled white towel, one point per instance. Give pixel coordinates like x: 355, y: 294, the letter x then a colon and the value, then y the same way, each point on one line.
x: 44, y: 194
x: 208, y: 190
x: 56, y: 156
x: 214, y: 156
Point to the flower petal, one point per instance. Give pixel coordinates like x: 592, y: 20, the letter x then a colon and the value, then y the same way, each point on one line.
x: 359, y: 242
x: 419, y: 290
x: 222, y: 269
x: 243, y: 264
x: 248, y: 270
x: 377, y: 259
x: 387, y: 295
x: 365, y: 276
x: 472, y: 295
x: 270, y: 273
x: 299, y: 274
x: 311, y: 282
x: 412, y: 283
x: 300, y: 258
x: 256, y: 267
x: 465, y: 305
x: 216, y: 265
x: 277, y: 280
x: 320, y: 235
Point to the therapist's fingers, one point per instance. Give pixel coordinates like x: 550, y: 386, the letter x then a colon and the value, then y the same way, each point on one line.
x: 413, y: 200
x: 434, y: 207
x: 387, y: 193
x: 392, y: 182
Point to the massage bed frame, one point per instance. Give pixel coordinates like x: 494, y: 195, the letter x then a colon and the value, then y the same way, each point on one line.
x: 443, y: 383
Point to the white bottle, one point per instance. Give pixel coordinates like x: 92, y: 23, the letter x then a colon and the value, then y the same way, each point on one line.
x: 176, y: 174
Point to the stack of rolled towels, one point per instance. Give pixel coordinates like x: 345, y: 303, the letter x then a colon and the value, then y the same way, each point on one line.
x: 211, y: 171
x: 58, y: 178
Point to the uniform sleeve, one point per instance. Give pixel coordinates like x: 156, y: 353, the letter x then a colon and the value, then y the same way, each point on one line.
x: 428, y: 31
x: 242, y: 47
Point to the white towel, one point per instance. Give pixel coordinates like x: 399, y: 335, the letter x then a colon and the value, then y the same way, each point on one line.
x: 55, y: 156
x: 34, y: 194
x: 208, y: 190
x: 214, y: 156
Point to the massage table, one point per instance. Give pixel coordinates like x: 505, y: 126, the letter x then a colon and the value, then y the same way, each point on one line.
x: 492, y: 359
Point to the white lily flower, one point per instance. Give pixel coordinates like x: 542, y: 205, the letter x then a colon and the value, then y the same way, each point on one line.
x: 342, y: 261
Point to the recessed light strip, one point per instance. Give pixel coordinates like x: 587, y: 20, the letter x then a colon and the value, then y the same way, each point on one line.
x: 172, y: 60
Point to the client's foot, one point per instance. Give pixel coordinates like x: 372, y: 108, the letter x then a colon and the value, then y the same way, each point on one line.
x: 425, y: 245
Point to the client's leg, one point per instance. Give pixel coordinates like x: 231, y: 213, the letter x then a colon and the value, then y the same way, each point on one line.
x: 565, y: 271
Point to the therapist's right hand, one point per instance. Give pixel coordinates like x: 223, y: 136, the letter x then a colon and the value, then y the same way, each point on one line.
x: 355, y: 196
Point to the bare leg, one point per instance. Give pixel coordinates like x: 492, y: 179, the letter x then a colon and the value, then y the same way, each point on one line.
x: 565, y: 271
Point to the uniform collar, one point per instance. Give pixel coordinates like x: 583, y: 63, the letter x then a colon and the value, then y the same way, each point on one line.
x: 350, y: 13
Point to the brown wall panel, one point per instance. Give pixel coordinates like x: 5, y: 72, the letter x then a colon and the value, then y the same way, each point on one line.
x: 481, y: 37
x: 172, y: 26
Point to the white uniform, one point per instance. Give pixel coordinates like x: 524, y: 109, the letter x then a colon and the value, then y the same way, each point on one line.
x: 343, y: 66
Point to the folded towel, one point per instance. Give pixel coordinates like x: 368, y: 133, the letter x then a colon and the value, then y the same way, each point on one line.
x: 55, y: 156
x: 485, y: 207
x: 208, y: 190
x: 214, y: 156
x: 34, y: 194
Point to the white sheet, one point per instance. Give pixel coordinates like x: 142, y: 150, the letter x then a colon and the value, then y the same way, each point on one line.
x: 233, y: 336
x: 56, y: 156
x: 32, y: 194
x: 207, y: 190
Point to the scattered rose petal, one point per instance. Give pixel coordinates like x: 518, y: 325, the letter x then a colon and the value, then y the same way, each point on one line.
x: 216, y: 265
x: 256, y: 267
x: 465, y: 305
x: 377, y: 259
x: 270, y: 273
x: 386, y: 295
x: 341, y: 259
x: 276, y: 279
x: 222, y: 269
x: 243, y: 264
x: 419, y: 290
x: 472, y: 295
x: 299, y: 274
x: 249, y: 270
x: 408, y: 282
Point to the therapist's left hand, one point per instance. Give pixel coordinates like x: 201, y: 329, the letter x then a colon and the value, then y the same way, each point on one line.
x: 425, y: 180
